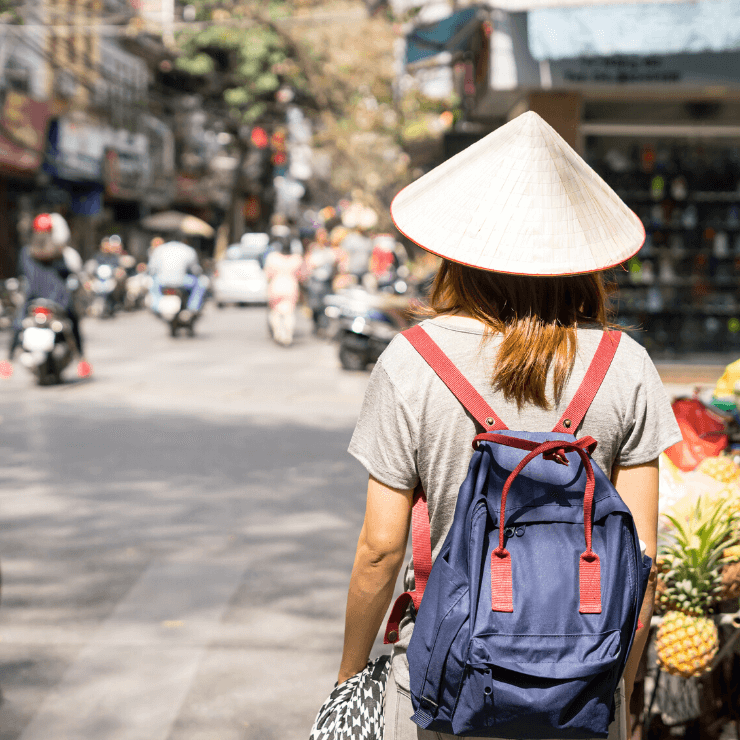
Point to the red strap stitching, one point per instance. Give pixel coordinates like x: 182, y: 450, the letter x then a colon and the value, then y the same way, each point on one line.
x: 589, y: 583
x: 502, y: 596
x: 421, y: 545
x: 591, y: 383
x: 453, y: 378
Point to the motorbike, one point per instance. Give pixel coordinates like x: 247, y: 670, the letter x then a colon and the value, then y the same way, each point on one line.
x: 47, y: 341
x: 365, y: 324
x: 104, y: 287
x: 173, y: 309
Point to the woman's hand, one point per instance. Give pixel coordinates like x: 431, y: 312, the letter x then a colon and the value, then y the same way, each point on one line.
x: 380, y: 552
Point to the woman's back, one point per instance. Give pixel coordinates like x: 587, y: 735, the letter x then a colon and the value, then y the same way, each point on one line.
x: 411, y: 422
x: 526, y: 231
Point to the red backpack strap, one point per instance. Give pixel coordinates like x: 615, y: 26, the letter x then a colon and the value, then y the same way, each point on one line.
x: 592, y: 381
x: 473, y: 402
x: 421, y: 545
x: 421, y: 541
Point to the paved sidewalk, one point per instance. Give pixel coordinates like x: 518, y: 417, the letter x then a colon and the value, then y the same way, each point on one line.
x: 682, y: 379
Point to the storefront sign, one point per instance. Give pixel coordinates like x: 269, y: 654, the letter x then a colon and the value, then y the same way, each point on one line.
x: 76, y: 151
x: 126, y: 166
x: 675, y: 70
x: 22, y: 133
x: 514, y: 67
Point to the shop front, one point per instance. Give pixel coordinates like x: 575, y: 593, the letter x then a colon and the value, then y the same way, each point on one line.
x: 100, y: 178
x: 662, y: 129
x: 74, y: 162
x: 126, y: 177
x: 23, y: 123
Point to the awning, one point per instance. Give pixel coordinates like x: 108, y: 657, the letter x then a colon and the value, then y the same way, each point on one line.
x: 635, y: 29
x: 449, y: 35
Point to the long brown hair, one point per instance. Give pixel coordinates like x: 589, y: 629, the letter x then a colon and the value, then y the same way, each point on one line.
x: 536, y: 316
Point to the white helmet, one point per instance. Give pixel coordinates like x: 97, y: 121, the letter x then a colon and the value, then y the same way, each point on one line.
x: 60, y: 233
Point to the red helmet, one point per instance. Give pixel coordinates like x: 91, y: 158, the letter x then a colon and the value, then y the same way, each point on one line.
x: 42, y: 222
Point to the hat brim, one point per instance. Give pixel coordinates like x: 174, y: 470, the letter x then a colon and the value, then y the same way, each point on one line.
x: 519, y: 201
x: 513, y: 272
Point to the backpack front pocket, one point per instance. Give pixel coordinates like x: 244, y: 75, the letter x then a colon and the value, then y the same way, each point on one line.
x: 539, y: 686
x: 436, y: 655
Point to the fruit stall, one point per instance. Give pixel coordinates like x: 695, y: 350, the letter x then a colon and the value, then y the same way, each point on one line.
x: 691, y: 670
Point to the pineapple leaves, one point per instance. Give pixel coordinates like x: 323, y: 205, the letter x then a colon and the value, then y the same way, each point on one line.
x: 693, y: 553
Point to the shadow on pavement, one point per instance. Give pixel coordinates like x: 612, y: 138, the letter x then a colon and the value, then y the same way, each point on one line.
x: 88, y: 501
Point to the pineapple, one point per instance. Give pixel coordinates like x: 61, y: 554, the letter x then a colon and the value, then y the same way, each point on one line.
x: 720, y: 468
x: 686, y: 644
x: 687, y: 639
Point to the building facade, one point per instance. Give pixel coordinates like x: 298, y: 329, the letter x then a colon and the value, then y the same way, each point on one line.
x: 650, y: 96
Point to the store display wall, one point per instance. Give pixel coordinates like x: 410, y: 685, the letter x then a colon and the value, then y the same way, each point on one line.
x: 681, y: 293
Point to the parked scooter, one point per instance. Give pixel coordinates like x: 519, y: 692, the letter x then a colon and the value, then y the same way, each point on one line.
x: 173, y: 309
x: 47, y: 341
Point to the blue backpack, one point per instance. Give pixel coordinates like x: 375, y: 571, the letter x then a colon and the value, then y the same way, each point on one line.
x: 529, y: 611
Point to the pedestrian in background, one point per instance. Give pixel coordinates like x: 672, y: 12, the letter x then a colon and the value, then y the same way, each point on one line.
x: 283, y: 269
x: 319, y: 270
x: 342, y: 277
x: 524, y: 229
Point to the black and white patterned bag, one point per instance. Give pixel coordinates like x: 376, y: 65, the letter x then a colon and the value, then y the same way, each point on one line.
x: 354, y: 710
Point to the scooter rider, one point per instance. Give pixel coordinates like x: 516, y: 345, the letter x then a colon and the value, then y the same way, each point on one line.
x: 175, y: 265
x: 111, y: 253
x: 47, y: 263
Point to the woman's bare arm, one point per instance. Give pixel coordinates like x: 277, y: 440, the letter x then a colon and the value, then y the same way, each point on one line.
x: 380, y: 552
x: 638, y: 487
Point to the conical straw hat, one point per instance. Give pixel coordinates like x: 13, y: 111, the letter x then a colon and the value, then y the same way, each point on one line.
x: 519, y: 201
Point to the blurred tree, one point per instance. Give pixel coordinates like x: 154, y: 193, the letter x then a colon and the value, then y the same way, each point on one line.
x: 9, y: 11
x: 333, y: 59
x: 250, y: 68
x: 246, y: 57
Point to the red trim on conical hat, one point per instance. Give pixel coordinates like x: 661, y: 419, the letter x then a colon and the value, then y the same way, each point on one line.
x: 508, y: 272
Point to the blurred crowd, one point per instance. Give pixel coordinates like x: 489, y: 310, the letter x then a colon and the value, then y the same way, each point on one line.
x: 334, y: 274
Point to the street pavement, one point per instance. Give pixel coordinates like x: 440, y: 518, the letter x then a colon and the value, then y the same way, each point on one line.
x: 177, y: 534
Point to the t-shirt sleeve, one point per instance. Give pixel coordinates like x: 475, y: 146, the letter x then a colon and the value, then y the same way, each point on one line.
x: 385, y: 438
x: 651, y: 425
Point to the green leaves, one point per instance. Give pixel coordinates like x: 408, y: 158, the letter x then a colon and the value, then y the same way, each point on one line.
x: 238, y: 97
x: 246, y: 58
x: 265, y: 83
x: 199, y: 65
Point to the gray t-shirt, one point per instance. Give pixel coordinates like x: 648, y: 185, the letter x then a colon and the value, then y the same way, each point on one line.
x: 411, y: 428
